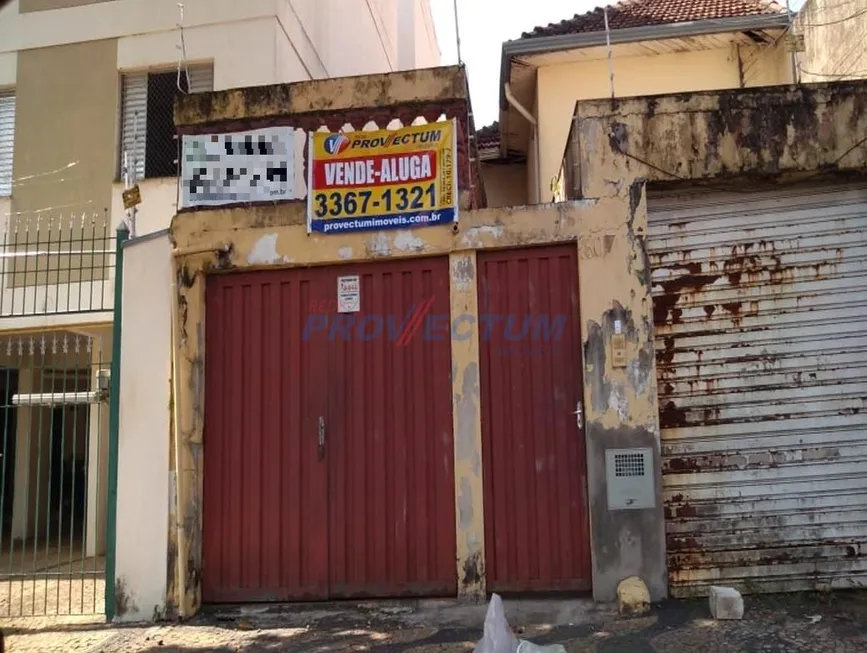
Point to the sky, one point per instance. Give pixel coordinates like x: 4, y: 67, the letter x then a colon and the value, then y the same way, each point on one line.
x: 484, y: 25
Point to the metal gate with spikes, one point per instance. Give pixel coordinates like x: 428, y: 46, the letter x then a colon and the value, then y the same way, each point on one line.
x: 54, y: 427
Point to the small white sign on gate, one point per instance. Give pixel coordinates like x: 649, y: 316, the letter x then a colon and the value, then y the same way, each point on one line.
x: 348, y: 294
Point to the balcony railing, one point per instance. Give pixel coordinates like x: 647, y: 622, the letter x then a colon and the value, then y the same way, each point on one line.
x: 56, y: 265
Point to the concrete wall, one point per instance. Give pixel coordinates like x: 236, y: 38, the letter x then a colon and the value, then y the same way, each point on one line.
x: 778, y: 133
x: 834, y: 34
x: 560, y: 86
x: 505, y: 185
x: 143, y: 454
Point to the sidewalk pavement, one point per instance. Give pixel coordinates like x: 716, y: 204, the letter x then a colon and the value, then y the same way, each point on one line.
x: 835, y: 623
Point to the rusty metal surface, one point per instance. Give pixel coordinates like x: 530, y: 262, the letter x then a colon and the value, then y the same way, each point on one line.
x: 536, y: 514
x: 390, y: 447
x: 369, y: 512
x: 760, y: 313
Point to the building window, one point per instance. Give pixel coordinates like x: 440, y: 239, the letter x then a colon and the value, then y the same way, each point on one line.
x: 7, y: 140
x: 148, y: 142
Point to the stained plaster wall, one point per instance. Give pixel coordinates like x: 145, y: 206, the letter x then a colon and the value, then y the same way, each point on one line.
x: 777, y: 132
x: 210, y: 242
x: 608, y: 232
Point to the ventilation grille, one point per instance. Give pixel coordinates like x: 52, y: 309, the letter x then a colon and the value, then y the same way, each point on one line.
x: 629, y: 464
x: 630, y: 479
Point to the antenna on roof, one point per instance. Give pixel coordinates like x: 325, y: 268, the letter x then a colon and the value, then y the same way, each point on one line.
x: 458, y: 33
x: 608, y: 45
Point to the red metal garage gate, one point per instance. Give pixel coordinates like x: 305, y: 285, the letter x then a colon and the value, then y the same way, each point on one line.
x: 328, y: 455
x: 536, y: 520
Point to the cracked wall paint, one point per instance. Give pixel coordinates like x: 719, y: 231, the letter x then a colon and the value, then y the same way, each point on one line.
x: 463, y: 273
x: 265, y: 252
x: 466, y: 414
x: 408, y: 241
x: 472, y: 236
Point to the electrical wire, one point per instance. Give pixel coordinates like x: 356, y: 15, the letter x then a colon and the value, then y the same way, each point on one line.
x: 854, y: 75
x: 833, y: 22
x: 48, y: 208
x: 182, y: 54
x: 17, y: 180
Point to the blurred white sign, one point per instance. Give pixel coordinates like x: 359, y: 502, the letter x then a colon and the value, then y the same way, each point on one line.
x: 249, y: 166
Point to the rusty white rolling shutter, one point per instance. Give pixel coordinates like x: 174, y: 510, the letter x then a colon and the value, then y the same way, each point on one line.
x: 134, y: 104
x: 760, y: 313
x: 7, y: 140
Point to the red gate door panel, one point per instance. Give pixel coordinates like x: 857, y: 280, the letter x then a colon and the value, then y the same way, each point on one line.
x: 536, y: 516
x: 389, y: 436
x: 265, y: 479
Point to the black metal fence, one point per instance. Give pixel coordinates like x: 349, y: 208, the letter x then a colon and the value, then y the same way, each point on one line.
x: 54, y: 393
x: 56, y: 264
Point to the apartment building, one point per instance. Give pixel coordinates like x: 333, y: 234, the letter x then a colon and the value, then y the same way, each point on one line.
x: 87, y: 89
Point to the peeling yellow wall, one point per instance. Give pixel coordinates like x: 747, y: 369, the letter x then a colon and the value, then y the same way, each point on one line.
x: 209, y: 242
x: 466, y: 412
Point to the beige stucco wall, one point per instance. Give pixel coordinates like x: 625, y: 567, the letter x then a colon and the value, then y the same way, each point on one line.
x: 69, y: 153
x: 560, y: 86
x: 505, y: 185
x: 834, y: 36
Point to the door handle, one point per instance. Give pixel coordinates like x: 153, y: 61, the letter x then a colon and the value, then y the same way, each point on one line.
x: 579, y: 414
x: 321, y: 438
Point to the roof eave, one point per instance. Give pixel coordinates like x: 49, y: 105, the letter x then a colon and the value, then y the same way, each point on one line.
x: 544, y: 44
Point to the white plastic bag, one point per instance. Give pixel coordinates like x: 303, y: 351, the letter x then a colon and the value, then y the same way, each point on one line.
x: 498, y: 637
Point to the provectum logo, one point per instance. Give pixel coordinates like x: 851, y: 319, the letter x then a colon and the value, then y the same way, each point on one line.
x: 336, y: 143
x: 512, y: 333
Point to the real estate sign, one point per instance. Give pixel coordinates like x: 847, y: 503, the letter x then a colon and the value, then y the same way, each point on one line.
x: 389, y: 179
x: 249, y: 166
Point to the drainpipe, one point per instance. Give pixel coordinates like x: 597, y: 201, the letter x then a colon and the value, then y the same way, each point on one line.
x: 512, y: 100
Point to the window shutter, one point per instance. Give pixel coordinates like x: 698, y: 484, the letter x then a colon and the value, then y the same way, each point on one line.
x: 134, y: 112
x: 201, y: 79
x: 134, y: 107
x: 7, y: 140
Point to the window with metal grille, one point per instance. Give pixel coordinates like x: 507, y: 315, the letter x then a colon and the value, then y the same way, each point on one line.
x: 148, y: 144
x: 7, y: 140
